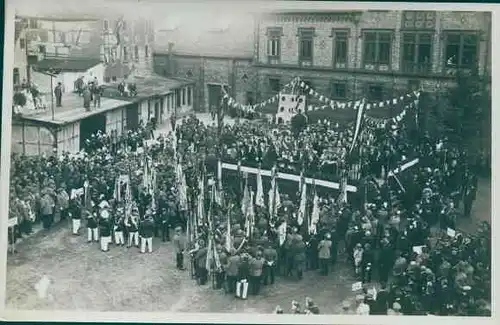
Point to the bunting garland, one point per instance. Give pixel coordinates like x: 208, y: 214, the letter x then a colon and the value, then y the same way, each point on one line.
x: 327, y: 102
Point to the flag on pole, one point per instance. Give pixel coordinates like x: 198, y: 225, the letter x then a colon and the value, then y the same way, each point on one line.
x: 249, y: 216
x: 303, y: 203
x: 359, y: 121
x: 219, y: 179
x: 259, y: 200
x: 229, y: 244
x: 282, y: 233
x: 201, y: 201
x: 181, y: 187
x: 314, y: 215
x: 246, y: 199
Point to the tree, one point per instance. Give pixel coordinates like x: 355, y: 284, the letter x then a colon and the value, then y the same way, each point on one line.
x: 466, y: 111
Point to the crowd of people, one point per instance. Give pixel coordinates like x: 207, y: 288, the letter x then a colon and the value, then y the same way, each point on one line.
x: 421, y: 270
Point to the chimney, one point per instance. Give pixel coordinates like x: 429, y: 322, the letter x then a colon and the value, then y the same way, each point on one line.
x: 170, y: 60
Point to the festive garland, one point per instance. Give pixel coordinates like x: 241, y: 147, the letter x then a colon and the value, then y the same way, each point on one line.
x: 329, y: 103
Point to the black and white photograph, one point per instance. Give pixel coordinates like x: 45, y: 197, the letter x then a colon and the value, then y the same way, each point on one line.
x: 248, y: 158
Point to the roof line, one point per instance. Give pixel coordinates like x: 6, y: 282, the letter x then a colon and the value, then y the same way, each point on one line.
x: 207, y: 56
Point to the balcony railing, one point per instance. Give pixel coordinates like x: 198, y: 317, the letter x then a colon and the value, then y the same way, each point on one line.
x: 417, y: 68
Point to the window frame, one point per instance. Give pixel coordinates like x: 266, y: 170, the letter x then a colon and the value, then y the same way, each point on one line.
x: 271, y: 80
x: 376, y: 62
x: 334, y: 85
x: 306, y: 34
x: 183, y: 96
x: 189, y: 94
x: 461, y: 34
x: 335, y: 41
x: 274, y: 35
x: 373, y: 85
x: 416, y: 50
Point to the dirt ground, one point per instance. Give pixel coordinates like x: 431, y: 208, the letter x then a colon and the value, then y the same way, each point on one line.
x: 84, y: 278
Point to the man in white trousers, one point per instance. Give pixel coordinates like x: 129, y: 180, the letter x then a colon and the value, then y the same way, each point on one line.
x: 132, y: 227
x: 92, y: 230
x: 75, y: 213
x: 119, y: 227
x: 105, y: 230
x: 146, y: 230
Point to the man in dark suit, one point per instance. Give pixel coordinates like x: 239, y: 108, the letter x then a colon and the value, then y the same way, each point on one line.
x: 146, y: 230
x: 179, y: 248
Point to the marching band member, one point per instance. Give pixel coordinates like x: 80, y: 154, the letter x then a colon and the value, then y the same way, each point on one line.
x: 75, y: 212
x: 92, y: 230
x: 105, y: 229
x: 132, y: 227
x: 119, y: 227
x: 146, y: 230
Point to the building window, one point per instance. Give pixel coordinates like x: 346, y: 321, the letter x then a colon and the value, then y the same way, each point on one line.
x: 274, y: 44
x: 413, y: 85
x: 33, y: 23
x: 183, y: 96
x: 461, y: 50
x: 146, y: 51
x: 250, y: 98
x: 339, y: 90
x: 136, y: 52
x: 113, y: 78
x: 375, y: 93
x: 417, y: 52
x: 22, y: 43
x: 189, y: 96
x: 340, y: 51
x: 105, y: 25
x: 125, y: 54
x: 377, y: 50
x: 275, y: 85
x: 17, y: 77
x: 306, y: 39
x: 107, y: 79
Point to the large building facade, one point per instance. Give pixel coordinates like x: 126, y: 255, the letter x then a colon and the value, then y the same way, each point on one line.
x: 344, y: 55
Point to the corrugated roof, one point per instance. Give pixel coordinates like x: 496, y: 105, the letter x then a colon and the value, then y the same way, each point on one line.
x: 73, y: 65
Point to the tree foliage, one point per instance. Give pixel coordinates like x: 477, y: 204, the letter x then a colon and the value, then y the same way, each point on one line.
x: 464, y: 110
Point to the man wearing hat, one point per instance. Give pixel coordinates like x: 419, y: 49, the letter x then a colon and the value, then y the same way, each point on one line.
x: 200, y: 263
x: 62, y: 202
x: 46, y: 208
x: 92, y: 229
x: 132, y: 228
x: 233, y: 264
x: 146, y: 230
x: 105, y: 229
x: 179, y: 242
x: 75, y: 212
x: 271, y: 257
x: 256, y: 266
x: 324, y: 254
x: 119, y: 226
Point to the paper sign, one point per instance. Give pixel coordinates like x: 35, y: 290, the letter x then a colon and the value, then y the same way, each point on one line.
x: 357, y: 286
x: 12, y: 222
x: 418, y: 249
x: 450, y: 232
